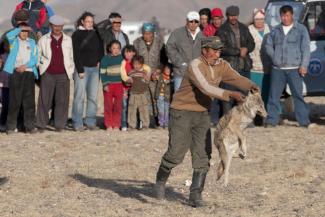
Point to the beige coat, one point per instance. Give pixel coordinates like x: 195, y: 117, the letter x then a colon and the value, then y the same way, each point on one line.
x: 45, y: 54
x: 257, y: 54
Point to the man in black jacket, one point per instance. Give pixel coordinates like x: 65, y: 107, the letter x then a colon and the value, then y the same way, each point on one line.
x: 238, y: 44
x: 110, y: 30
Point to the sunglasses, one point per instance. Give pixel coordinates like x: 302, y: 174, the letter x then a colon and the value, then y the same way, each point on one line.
x: 194, y: 21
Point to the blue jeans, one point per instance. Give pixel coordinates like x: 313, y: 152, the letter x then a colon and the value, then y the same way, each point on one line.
x: 125, y: 109
x: 279, y: 79
x: 163, y: 111
x: 215, y: 111
x: 86, y: 87
x: 177, y: 82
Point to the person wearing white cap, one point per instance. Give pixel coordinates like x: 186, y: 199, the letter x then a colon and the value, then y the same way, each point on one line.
x: 184, y: 45
x: 56, y: 67
x: 260, y: 73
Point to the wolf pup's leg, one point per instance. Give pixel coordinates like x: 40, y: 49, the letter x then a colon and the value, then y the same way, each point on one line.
x: 223, y: 157
x: 227, y: 163
x: 242, y: 145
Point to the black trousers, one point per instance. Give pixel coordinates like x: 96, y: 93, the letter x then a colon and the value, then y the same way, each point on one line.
x: 55, y: 88
x: 21, y: 94
x: 5, y: 104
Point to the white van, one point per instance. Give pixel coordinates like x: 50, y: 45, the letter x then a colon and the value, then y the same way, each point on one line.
x: 311, y: 13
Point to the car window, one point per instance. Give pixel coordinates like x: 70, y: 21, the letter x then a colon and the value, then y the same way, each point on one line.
x: 273, y: 11
x: 315, y: 20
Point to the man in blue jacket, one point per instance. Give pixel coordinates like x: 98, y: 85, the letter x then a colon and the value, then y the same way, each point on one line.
x: 288, y: 47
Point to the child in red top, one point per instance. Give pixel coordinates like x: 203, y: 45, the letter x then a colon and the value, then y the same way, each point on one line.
x: 128, y: 52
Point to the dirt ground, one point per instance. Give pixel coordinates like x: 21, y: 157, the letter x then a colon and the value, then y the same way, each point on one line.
x: 98, y: 173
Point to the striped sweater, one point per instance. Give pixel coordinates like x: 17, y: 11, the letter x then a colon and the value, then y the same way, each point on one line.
x: 110, y: 69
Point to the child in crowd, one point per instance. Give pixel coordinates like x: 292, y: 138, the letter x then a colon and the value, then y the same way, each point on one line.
x: 4, y: 85
x: 138, y: 101
x: 110, y: 71
x: 21, y: 64
x: 126, y: 68
x: 163, y: 96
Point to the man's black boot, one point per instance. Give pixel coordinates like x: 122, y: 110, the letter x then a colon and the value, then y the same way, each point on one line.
x: 196, y: 188
x: 161, y: 180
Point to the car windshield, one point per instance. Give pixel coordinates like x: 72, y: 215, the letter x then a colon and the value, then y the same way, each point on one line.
x: 273, y: 11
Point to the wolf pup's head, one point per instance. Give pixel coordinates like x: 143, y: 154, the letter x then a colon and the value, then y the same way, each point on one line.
x: 255, y: 104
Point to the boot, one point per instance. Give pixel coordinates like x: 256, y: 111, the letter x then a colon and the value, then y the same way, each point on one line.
x: 161, y: 180
x: 196, y: 188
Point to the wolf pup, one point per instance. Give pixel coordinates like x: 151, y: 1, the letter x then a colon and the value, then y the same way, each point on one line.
x: 230, y: 136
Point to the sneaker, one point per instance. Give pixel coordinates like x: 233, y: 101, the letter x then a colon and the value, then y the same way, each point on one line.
x: 309, y: 126
x: 92, y: 128
x: 10, y: 132
x: 269, y: 125
x: 124, y: 129
x: 78, y: 129
x: 32, y: 131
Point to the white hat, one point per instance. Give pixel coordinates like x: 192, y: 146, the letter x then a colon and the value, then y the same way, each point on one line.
x: 57, y: 20
x: 193, y: 15
x: 258, y: 14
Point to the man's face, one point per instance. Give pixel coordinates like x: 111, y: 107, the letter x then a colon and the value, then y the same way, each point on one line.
x: 233, y: 19
x: 148, y: 37
x: 56, y: 30
x: 23, y: 35
x: 204, y: 20
x: 287, y: 18
x: 193, y: 25
x: 211, y: 54
x: 116, y: 24
x: 217, y: 21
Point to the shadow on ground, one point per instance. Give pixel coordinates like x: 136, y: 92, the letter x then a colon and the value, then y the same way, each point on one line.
x: 3, y: 180
x: 128, y: 188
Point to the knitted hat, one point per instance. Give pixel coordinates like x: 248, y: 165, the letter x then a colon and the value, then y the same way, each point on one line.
x: 148, y: 27
x: 258, y: 14
x: 216, y: 12
x: 232, y: 10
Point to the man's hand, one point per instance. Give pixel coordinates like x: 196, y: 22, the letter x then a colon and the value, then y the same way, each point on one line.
x: 81, y: 75
x: 243, y: 52
x: 303, y: 71
x: 238, y: 96
x: 21, y: 69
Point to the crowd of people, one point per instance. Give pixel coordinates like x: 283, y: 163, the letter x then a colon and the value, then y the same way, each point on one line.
x: 139, y: 79
x: 206, y: 67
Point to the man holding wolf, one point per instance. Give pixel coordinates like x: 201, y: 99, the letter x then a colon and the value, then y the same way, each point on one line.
x: 189, y: 119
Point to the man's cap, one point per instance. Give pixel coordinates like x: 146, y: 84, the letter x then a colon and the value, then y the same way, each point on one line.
x: 232, y: 10
x: 148, y: 27
x: 216, y: 12
x: 21, y: 15
x: 193, y: 15
x: 56, y: 20
x: 213, y: 42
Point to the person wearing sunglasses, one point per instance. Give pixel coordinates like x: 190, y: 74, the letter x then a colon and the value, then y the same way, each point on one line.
x: 113, y: 32
x: 184, y: 45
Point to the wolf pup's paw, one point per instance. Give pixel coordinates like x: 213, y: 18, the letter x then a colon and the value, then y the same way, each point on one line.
x: 242, y: 156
